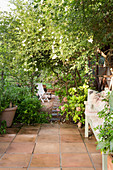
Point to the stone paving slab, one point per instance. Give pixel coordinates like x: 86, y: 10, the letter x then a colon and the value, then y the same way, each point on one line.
x: 15, y: 160
x: 71, y: 138
x: 48, y: 147
x: 25, y: 138
x: 45, y: 160
x: 7, y: 137
x: 3, y: 147
x: 78, y: 168
x: 76, y: 160
x: 73, y: 148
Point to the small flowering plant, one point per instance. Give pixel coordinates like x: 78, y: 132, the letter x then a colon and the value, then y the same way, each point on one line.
x: 74, y: 104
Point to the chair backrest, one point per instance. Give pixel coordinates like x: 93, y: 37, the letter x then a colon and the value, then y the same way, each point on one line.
x: 95, y: 101
x: 40, y: 89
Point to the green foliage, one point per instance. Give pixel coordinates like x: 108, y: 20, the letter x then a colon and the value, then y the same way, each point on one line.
x: 62, y: 36
x: 106, y: 130
x: 55, y: 33
x: 29, y: 111
x: 74, y: 106
x: 8, y: 96
x: 61, y: 92
x: 58, y: 35
x: 3, y: 127
x: 28, y: 106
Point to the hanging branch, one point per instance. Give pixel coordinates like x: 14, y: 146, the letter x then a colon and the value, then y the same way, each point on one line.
x: 102, y: 54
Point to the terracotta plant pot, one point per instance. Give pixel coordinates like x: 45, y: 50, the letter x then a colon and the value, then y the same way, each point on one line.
x: 109, y: 162
x: 8, y: 115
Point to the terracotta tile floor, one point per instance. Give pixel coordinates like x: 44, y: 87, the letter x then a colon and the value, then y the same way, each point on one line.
x: 48, y: 147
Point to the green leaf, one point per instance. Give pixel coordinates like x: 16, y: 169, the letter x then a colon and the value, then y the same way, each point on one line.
x: 101, y: 145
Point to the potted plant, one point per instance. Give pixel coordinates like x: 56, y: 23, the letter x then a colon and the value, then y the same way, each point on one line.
x: 8, y: 98
x: 105, y: 143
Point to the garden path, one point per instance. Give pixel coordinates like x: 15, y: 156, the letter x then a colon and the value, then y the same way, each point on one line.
x: 51, y: 108
x: 53, y: 146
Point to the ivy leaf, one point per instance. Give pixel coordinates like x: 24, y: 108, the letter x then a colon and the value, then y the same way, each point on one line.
x: 101, y: 145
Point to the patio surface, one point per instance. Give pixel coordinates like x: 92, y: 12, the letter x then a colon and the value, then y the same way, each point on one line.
x: 53, y: 146
x: 48, y: 147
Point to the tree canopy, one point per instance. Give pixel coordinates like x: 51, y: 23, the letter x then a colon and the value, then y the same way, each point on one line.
x: 61, y: 35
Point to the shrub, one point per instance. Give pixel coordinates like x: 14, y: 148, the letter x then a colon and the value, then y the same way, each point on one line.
x: 29, y: 107
x: 3, y: 127
x: 29, y: 111
x: 74, y: 107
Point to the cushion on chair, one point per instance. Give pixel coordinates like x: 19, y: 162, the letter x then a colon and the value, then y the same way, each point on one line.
x: 95, y: 101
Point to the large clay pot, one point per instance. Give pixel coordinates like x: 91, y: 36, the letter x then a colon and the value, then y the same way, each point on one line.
x: 8, y: 115
x: 109, y: 162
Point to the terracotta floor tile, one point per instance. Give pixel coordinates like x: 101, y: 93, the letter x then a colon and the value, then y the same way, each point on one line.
x: 69, y: 131
x: 90, y: 134
x: 68, y: 126
x: 70, y: 138
x: 3, y: 147
x: 92, y: 147
x: 46, y: 151
x: 90, y: 139
x: 13, y: 168
x: 44, y: 168
x: 76, y: 160
x: 49, y: 131
x: 36, y: 126
x: 28, y: 131
x: 12, y: 130
x: 48, y: 138
x: 7, y: 137
x: 45, y: 160
x: 82, y: 130
x: 15, y: 160
x: 78, y: 169
x: 72, y: 147
x: 21, y: 148
x: 25, y: 138
x: 97, y: 159
x: 47, y: 148
x: 50, y: 126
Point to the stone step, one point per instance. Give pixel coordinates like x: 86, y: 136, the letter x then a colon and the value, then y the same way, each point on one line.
x: 55, y: 107
x: 54, y: 111
x: 55, y: 119
x: 55, y: 114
